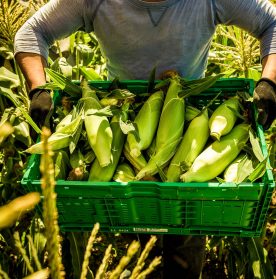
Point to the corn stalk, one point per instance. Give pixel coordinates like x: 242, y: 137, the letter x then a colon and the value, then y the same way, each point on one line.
x: 236, y: 52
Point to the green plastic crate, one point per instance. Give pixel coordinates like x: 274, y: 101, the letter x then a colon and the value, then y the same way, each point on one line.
x: 222, y: 209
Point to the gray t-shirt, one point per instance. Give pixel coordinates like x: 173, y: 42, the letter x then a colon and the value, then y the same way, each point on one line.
x: 136, y: 36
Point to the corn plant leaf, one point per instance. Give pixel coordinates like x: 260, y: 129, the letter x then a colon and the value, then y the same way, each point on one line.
x: 239, y: 250
x: 86, y: 53
x: 22, y: 131
x: 245, y: 96
x: 64, y: 83
x: 259, y: 260
x: 273, y: 237
x: 236, y: 113
x: 76, y: 251
x: 115, y: 84
x: 195, y: 87
x: 90, y: 73
x: 6, y: 53
x: 255, y: 145
x: 10, y: 95
x: 214, y: 241
x: 6, y: 116
x: 254, y: 74
x: 50, y: 86
x: 8, y: 79
x: 61, y: 65
x: 162, y: 83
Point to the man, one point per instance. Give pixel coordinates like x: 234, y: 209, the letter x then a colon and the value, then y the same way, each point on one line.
x: 135, y: 36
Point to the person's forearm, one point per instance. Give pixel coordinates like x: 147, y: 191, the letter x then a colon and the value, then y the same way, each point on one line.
x: 32, y: 66
x: 269, y: 67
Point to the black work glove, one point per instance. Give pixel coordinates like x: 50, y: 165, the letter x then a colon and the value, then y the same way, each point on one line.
x: 41, y: 107
x: 265, y: 100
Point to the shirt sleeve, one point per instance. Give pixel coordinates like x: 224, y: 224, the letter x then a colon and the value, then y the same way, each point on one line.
x: 55, y: 20
x: 258, y: 17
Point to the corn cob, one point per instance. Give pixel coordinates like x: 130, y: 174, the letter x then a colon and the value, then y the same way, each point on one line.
x: 171, y: 123
x: 223, y: 118
x: 137, y: 162
x: 239, y: 169
x: 215, y: 158
x: 60, y: 139
x: 169, y: 132
x: 147, y: 121
x: 124, y: 173
x: 159, y: 160
x: 97, y: 127
x: 190, y: 147
x: 98, y: 173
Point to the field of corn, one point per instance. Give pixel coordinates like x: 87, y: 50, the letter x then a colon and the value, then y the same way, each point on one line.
x: 32, y: 245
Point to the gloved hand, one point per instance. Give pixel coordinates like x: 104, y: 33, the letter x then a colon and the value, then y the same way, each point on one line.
x: 264, y: 98
x: 41, y: 107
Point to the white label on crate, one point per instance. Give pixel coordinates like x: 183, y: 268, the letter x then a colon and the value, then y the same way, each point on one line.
x: 150, y: 230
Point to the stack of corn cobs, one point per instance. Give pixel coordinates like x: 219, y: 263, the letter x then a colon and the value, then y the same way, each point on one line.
x: 156, y: 136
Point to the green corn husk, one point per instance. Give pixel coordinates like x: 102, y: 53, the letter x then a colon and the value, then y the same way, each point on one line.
x: 98, y: 173
x: 64, y: 122
x: 190, y: 113
x: 78, y: 170
x: 57, y: 141
x: 169, y: 132
x: 224, y: 118
x: 124, y: 173
x: 151, y: 150
x: 109, y: 101
x: 60, y: 139
x: 89, y: 156
x: 76, y: 158
x: 190, y: 147
x: 137, y: 162
x: 22, y: 132
x: 171, y: 123
x: 159, y: 160
x: 61, y: 164
x: 215, y: 158
x: 239, y: 169
x: 97, y: 127
x: 147, y: 121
